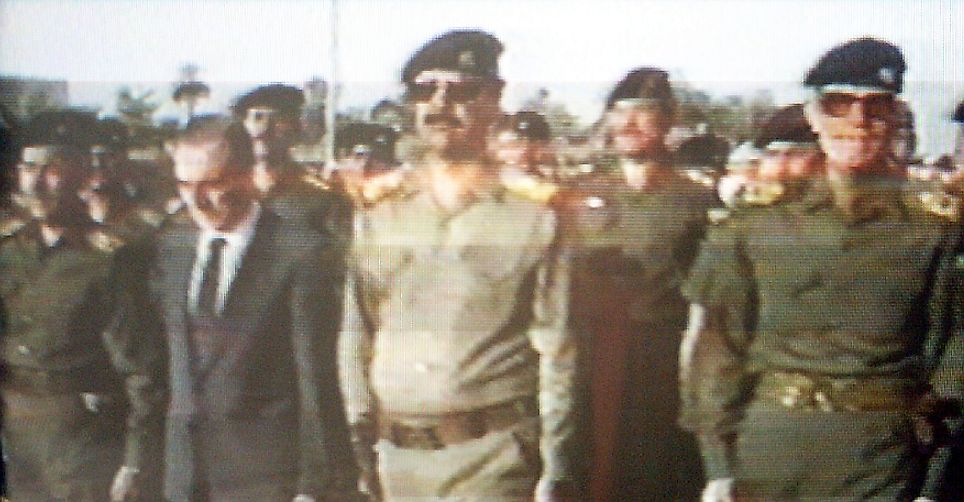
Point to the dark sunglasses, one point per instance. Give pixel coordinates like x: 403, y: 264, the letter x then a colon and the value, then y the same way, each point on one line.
x: 876, y: 106
x: 455, y: 92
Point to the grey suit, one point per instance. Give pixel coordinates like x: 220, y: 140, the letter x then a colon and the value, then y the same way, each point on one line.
x: 261, y: 418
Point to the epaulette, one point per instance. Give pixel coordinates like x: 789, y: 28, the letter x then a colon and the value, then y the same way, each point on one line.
x: 10, y: 226
x: 173, y: 205
x: 941, y: 204
x: 700, y: 177
x: 718, y: 215
x: 104, y: 241
x: 530, y: 187
x: 383, y: 186
x: 151, y: 217
x: 315, y: 181
x: 762, y: 194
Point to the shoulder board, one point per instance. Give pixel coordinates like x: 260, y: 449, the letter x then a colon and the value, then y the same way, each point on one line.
x: 383, y: 186
x: 530, y: 187
x: 104, y: 241
x: 762, y: 194
x: 151, y: 217
x: 941, y: 204
x: 10, y: 226
x: 173, y: 205
x: 315, y: 181
x: 718, y: 215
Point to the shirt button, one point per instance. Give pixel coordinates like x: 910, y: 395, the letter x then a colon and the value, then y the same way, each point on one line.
x: 23, y: 350
x: 421, y: 367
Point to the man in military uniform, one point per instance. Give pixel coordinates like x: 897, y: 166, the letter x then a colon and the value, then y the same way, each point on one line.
x: 270, y: 116
x: 110, y: 196
x: 791, y: 155
x: 639, y: 223
x: 945, y: 473
x: 365, y: 157
x: 821, y: 319
x: 457, y: 368
x: 62, y: 421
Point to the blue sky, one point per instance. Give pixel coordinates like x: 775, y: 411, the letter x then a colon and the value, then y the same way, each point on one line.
x: 576, y: 48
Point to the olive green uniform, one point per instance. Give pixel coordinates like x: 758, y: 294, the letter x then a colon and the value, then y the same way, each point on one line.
x: 827, y: 329
x: 63, y: 417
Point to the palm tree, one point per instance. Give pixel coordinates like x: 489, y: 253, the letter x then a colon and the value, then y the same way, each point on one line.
x: 189, y: 90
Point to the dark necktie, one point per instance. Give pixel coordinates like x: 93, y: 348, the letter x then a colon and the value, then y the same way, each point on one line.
x: 208, y: 292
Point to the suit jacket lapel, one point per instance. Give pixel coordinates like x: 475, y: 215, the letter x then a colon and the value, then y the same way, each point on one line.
x: 262, y: 268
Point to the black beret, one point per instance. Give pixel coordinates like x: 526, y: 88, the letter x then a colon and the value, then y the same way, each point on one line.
x: 285, y: 99
x: 380, y: 140
x: 705, y: 150
x: 862, y: 62
x: 112, y: 133
x: 65, y: 128
x: 527, y: 124
x: 789, y: 125
x: 473, y: 52
x: 959, y: 113
x: 644, y: 83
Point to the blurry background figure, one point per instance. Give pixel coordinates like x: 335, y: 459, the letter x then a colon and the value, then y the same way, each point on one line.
x: 742, y: 168
x: 521, y: 143
x: 703, y: 157
x: 270, y: 124
x: 63, y: 426
x: 789, y: 155
x: 638, y: 223
x: 366, y: 165
x: 271, y: 116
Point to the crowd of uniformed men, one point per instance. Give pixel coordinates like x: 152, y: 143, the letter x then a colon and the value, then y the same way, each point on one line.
x: 469, y: 323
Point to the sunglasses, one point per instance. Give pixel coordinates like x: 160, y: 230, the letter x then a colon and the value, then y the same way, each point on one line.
x: 462, y: 91
x: 875, y: 106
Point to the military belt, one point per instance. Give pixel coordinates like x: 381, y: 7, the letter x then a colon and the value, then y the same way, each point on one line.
x: 829, y: 394
x: 434, y: 432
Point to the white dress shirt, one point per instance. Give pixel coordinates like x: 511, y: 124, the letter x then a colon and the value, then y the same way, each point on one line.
x: 236, y: 242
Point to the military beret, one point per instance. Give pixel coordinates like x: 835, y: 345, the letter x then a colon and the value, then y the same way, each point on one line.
x: 65, y: 128
x: 787, y: 126
x: 705, y: 150
x: 864, y: 62
x: 651, y: 84
x: 285, y: 99
x: 378, y: 139
x: 527, y: 124
x: 472, y: 52
x: 112, y: 134
x: 959, y: 113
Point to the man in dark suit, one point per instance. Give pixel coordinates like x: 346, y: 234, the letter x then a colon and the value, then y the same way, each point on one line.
x: 250, y: 304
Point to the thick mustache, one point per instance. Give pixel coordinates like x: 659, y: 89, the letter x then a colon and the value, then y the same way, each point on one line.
x: 442, y: 119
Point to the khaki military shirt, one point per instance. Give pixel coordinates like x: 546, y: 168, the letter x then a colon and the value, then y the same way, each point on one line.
x: 805, y: 288
x: 454, y: 311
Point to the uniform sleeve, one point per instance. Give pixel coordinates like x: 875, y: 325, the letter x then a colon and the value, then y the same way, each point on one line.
x: 713, y: 376
x: 557, y: 348
x: 135, y: 342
